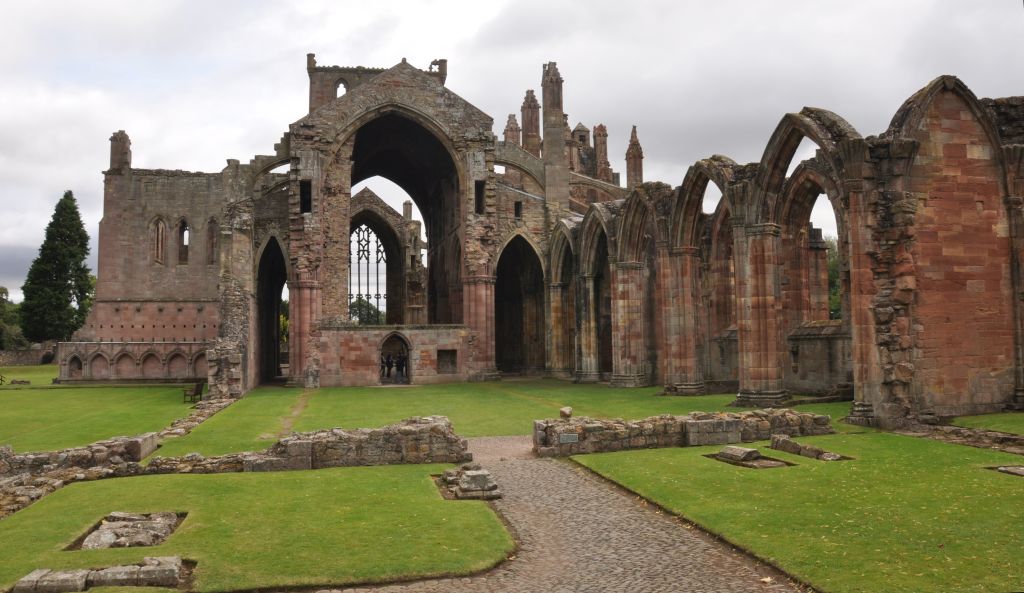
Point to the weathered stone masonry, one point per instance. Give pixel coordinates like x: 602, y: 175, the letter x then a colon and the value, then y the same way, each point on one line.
x: 539, y: 262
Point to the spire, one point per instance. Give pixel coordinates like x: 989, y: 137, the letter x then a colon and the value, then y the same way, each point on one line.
x: 634, y: 161
x: 513, y: 135
x: 531, y: 123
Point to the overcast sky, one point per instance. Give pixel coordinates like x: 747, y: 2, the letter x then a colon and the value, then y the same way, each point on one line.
x: 198, y: 82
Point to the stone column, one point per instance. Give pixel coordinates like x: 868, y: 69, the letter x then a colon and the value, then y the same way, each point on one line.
x: 589, y: 368
x: 560, y: 331
x: 867, y: 374
x: 817, y: 278
x: 478, y: 307
x: 629, y: 356
x: 759, y: 315
x: 679, y: 267
x: 1015, y: 211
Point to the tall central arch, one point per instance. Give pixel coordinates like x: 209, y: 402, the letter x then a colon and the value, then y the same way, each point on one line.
x: 396, y: 147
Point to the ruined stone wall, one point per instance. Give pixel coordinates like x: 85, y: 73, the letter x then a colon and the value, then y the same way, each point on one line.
x: 437, y: 353
x: 428, y: 439
x: 819, y: 358
x: 961, y: 259
x: 132, y: 361
x: 577, y: 436
x: 29, y: 356
x: 102, y: 453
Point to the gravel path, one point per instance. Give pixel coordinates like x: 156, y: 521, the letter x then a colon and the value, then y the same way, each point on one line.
x: 578, y: 533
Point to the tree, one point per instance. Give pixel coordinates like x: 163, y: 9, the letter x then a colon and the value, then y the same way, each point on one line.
x: 58, y: 290
x: 363, y: 312
x: 10, y: 332
x: 835, y: 299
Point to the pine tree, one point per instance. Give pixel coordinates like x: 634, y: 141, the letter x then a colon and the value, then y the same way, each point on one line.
x: 58, y: 290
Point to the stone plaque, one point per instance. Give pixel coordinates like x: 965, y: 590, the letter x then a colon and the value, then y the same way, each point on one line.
x: 570, y: 437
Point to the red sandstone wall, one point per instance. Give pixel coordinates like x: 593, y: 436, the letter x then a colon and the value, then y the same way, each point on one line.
x: 962, y: 318
x: 351, y: 356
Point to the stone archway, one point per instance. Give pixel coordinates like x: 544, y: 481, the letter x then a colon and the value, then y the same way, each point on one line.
x: 519, y: 309
x: 270, y: 278
x: 395, y: 360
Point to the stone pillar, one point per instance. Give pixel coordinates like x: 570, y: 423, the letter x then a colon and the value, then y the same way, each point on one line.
x: 634, y: 161
x: 604, y: 168
x: 531, y: 123
x: 589, y: 367
x: 513, y: 135
x: 556, y: 165
x: 679, y: 266
x: 629, y: 356
x: 560, y: 331
x: 304, y: 297
x: 817, y: 277
x: 759, y: 315
x: 478, y: 312
x: 1015, y: 210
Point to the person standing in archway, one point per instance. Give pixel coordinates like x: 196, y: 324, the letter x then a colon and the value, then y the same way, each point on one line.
x: 390, y: 362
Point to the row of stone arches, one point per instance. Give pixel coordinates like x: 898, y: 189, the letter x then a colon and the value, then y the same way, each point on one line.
x: 148, y: 365
x: 668, y: 275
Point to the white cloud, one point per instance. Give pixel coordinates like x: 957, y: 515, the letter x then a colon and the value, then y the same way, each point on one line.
x: 195, y: 83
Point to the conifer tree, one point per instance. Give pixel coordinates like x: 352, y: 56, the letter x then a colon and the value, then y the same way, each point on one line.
x: 58, y: 290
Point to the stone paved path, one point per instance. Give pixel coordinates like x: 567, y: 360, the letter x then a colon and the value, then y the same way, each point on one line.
x: 577, y: 533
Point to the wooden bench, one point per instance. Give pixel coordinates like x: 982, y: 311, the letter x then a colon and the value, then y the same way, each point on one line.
x: 194, y: 393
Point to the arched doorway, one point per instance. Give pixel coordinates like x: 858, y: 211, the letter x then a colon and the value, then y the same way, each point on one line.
x: 394, y: 360
x: 519, y: 309
x: 270, y: 280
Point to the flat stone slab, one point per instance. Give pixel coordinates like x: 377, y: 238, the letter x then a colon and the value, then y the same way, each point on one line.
x: 158, y: 571
x: 1013, y: 470
x: 757, y: 463
x: 734, y: 453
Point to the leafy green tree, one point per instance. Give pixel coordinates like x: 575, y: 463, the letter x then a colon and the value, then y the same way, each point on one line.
x: 363, y: 312
x: 835, y: 299
x: 58, y: 290
x: 283, y: 321
x: 10, y: 330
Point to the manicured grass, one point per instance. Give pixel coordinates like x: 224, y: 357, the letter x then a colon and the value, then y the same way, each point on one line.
x: 247, y: 531
x: 906, y: 515
x: 1012, y: 422
x: 41, y: 375
x: 48, y: 419
x: 491, y: 409
x: 250, y: 424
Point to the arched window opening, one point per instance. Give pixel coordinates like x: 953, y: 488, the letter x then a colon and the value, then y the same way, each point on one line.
x: 712, y: 196
x: 212, y: 241
x: 805, y: 150
x: 367, y: 278
x: 183, y: 237
x: 159, y: 241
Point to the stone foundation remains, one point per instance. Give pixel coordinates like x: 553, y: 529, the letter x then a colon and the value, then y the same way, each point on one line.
x: 429, y: 439
x: 782, y: 442
x: 130, y: 530
x: 574, y: 436
x: 164, y: 571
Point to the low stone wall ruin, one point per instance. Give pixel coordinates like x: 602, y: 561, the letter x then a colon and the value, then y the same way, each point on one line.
x: 574, y: 436
x: 429, y: 439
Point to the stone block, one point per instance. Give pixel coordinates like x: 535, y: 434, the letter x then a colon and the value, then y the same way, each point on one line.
x: 142, y: 446
x: 162, y: 571
x: 733, y: 453
x: 565, y: 413
x: 782, y: 442
x: 27, y: 583
x: 115, y: 576
x: 63, y: 581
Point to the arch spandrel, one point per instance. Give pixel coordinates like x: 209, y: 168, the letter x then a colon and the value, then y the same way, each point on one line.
x: 909, y: 117
x: 646, y: 212
x: 564, y: 238
x: 826, y: 129
x: 687, y: 214
x: 602, y: 218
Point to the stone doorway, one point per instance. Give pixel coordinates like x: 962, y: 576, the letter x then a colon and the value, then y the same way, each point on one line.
x: 395, y: 364
x: 519, y: 310
x: 270, y: 280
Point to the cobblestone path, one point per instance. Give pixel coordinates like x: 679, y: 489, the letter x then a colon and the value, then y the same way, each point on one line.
x: 577, y: 533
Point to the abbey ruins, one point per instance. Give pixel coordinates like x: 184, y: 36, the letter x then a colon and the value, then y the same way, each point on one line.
x: 539, y: 261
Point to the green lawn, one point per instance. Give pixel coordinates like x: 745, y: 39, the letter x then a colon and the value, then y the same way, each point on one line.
x: 1012, y: 422
x: 249, y: 531
x: 493, y: 408
x: 41, y: 375
x: 48, y: 419
x: 907, y: 515
x: 250, y: 424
